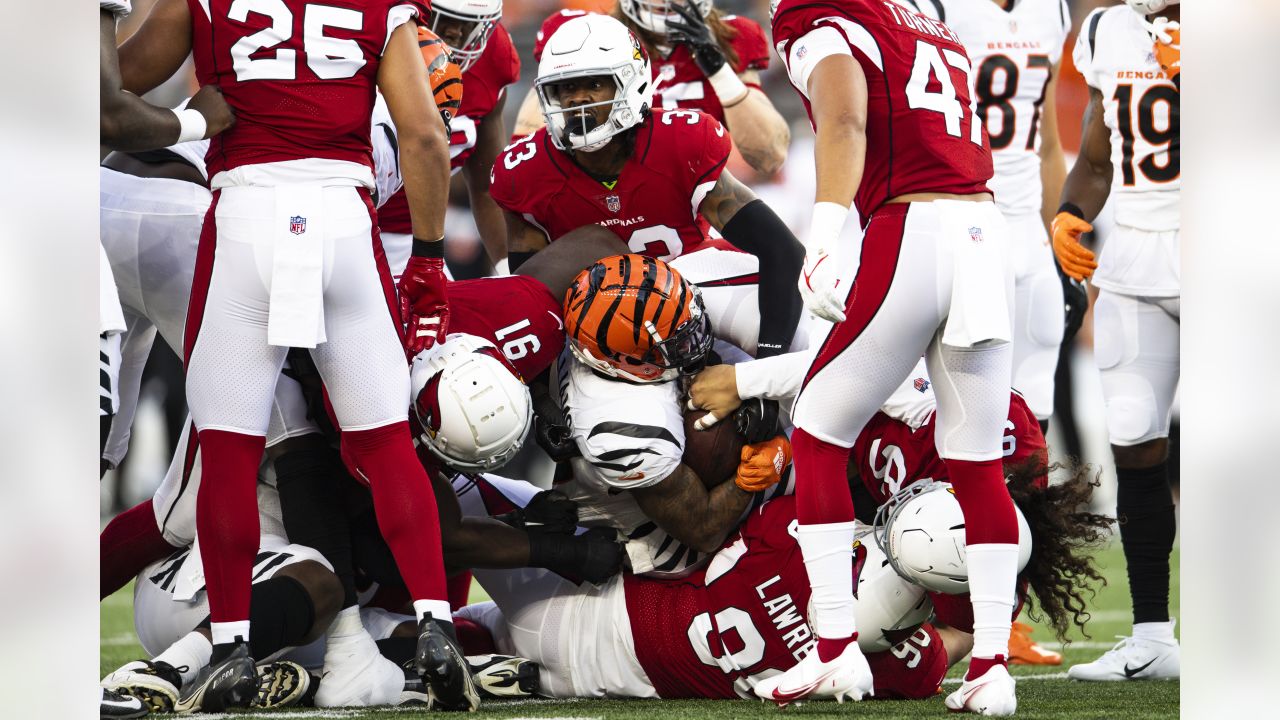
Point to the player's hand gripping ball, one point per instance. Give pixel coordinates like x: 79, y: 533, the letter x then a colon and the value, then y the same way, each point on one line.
x: 762, y: 464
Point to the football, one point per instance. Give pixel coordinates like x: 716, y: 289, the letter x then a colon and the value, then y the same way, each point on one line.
x: 711, y: 453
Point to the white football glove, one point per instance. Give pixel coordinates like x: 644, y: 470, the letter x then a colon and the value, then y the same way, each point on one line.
x: 820, y: 285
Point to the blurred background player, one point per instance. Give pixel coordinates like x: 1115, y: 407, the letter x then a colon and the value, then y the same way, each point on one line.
x: 1129, y: 151
x: 888, y: 94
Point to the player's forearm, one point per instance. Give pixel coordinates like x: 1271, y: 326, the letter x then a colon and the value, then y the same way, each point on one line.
x: 775, y: 378
x: 424, y: 162
x: 759, y: 131
x: 130, y: 123
x: 1053, y: 175
x: 838, y: 93
x: 530, y: 118
x: 490, y: 223
x: 690, y: 513
x: 1087, y: 187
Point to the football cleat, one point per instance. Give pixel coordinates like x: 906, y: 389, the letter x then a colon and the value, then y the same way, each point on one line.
x: 504, y: 676
x: 848, y: 676
x: 231, y: 683
x: 1132, y: 659
x: 993, y: 693
x: 115, y: 705
x: 443, y: 668
x: 282, y: 684
x: 155, y: 684
x: 1025, y: 651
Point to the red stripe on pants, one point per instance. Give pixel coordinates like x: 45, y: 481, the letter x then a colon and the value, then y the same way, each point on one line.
x: 384, y: 271
x: 200, y: 282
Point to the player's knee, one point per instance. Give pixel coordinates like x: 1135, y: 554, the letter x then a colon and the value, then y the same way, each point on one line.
x: 1045, y: 311
x: 1131, y: 420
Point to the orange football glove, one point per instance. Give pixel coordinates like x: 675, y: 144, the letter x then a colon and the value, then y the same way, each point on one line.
x: 1077, y: 261
x: 762, y: 464
x: 1168, y: 46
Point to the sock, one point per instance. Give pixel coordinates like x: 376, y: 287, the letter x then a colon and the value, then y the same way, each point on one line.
x: 1044, y: 426
x: 459, y: 589
x: 993, y: 572
x: 399, y: 650
x: 828, y: 559
x: 437, y: 610
x: 984, y: 499
x: 405, y: 505
x: 282, y: 615
x: 226, y: 636
x: 190, y: 653
x: 227, y: 524
x: 822, y: 484
x: 979, y: 666
x: 1154, y: 631
x: 1144, y: 508
x: 129, y: 543
x: 309, y: 481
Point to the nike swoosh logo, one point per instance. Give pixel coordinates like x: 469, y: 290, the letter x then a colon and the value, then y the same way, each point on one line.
x: 814, y: 270
x: 559, y: 322
x: 1130, y: 672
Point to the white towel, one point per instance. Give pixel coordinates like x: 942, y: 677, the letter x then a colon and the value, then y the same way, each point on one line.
x: 296, y: 317
x: 979, y: 245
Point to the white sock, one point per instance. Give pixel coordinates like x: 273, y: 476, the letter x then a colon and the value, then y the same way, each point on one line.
x: 191, y: 652
x: 346, y: 624
x: 828, y: 558
x: 226, y: 632
x: 993, y: 574
x: 437, y: 609
x: 1154, y: 631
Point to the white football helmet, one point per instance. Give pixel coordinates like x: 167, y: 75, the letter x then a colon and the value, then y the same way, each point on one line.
x: 1149, y: 7
x: 474, y: 410
x: 483, y: 16
x: 593, y: 46
x: 887, y: 607
x: 652, y: 14
x: 921, y: 530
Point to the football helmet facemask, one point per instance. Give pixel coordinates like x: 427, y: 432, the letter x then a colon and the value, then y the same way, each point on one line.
x: 479, y: 17
x: 652, y: 15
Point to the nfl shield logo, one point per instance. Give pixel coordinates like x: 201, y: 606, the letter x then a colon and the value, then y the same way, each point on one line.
x: 921, y: 384
x: 975, y: 234
x: 297, y: 224
x: 614, y: 203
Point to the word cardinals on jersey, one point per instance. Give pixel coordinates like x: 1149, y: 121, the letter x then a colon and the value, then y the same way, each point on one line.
x: 652, y: 206
x: 922, y: 132
x: 301, y: 90
x: 678, y: 82
x: 517, y: 313
x: 483, y: 85
x: 709, y: 635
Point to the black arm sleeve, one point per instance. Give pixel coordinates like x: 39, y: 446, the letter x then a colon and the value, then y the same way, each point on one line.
x: 757, y: 230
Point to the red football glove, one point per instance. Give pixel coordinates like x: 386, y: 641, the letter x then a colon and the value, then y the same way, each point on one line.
x: 424, y: 305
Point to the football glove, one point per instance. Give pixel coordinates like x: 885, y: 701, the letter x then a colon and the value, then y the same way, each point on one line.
x: 1168, y: 46
x: 550, y: 512
x: 1076, y: 303
x: 762, y: 464
x: 423, y: 303
x: 1076, y: 260
x: 757, y: 419
x: 820, y: 285
x: 690, y: 29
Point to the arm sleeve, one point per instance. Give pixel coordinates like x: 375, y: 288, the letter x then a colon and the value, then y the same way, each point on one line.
x: 775, y: 378
x: 119, y: 8
x: 759, y: 231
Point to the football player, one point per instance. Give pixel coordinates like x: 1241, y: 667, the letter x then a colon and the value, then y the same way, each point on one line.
x: 1015, y: 47
x: 296, y: 265
x: 703, y: 60
x: 482, y: 48
x: 1129, y: 152
x: 888, y: 93
x: 654, y: 177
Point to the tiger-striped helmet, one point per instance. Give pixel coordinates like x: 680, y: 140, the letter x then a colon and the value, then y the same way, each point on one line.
x: 635, y: 318
x: 444, y: 74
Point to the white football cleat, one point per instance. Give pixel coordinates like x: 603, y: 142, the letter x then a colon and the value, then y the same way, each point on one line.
x: 993, y: 693
x: 356, y: 674
x: 155, y: 684
x: 1132, y: 659
x: 848, y: 676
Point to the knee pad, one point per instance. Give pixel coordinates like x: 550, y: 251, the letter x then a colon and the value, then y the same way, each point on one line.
x: 1131, y: 415
x: 1044, y: 310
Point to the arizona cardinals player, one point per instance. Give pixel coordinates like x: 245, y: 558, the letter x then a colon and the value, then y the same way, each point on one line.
x: 655, y: 178
x: 481, y: 46
x: 703, y: 60
x: 888, y: 93
x: 1130, y: 152
x: 277, y: 176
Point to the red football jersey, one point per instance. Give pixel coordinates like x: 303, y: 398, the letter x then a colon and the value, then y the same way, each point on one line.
x: 517, y: 313
x: 300, y: 76
x: 890, y: 455
x: 678, y: 82
x: 482, y: 86
x: 922, y: 132
x: 745, y: 614
x: 653, y: 205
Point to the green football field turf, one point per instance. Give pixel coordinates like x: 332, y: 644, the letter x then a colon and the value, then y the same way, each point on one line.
x: 1043, y: 691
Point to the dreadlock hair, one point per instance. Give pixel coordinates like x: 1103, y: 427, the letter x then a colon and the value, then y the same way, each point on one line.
x: 715, y: 20
x: 1061, y: 571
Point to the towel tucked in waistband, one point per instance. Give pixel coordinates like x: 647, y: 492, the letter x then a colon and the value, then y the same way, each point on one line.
x: 296, y: 317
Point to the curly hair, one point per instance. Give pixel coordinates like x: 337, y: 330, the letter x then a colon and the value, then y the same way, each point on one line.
x: 1060, y: 572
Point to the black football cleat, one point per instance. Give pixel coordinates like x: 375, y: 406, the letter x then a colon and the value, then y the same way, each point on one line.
x: 118, y: 706
x: 504, y: 676
x: 229, y: 683
x: 443, y: 668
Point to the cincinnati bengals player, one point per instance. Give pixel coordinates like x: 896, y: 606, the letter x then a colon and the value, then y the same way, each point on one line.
x: 482, y: 48
x: 1130, y: 153
x: 888, y: 93
x: 703, y: 60
x: 656, y: 179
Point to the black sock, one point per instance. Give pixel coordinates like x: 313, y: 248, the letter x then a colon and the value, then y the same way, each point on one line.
x: 280, y: 615
x: 309, y: 481
x: 398, y: 650
x: 1044, y: 427
x: 222, y: 650
x: 1144, y: 508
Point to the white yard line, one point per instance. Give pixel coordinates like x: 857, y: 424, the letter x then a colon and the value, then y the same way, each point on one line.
x: 119, y: 640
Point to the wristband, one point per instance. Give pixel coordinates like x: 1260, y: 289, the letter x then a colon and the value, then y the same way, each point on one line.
x: 502, y: 267
x: 728, y: 86
x: 828, y: 222
x: 192, y: 125
x: 1071, y: 209
x: 428, y: 248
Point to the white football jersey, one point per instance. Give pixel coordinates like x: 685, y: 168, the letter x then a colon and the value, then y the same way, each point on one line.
x: 1013, y: 54
x: 1115, y: 54
x: 119, y: 8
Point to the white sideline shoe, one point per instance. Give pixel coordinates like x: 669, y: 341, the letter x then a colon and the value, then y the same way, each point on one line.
x: 1132, y: 659
x: 848, y: 676
x: 993, y: 693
